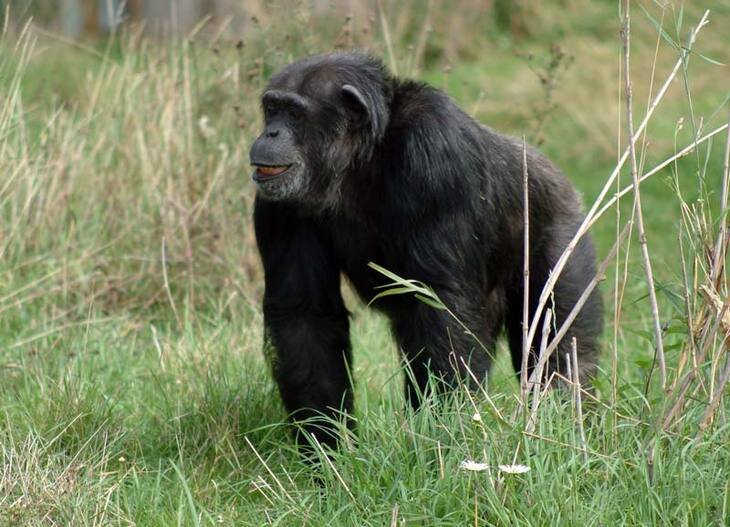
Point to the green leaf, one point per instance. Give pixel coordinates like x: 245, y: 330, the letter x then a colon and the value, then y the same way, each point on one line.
x: 391, y: 292
x: 436, y: 303
x: 659, y: 28
x: 401, y: 286
x: 708, y: 59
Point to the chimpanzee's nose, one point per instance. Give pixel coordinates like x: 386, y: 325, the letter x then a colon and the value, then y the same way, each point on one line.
x: 272, y: 133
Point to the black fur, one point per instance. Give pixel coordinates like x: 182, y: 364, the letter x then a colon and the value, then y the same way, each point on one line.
x: 391, y: 171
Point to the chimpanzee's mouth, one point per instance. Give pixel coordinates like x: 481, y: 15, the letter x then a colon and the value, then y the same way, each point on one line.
x: 265, y: 172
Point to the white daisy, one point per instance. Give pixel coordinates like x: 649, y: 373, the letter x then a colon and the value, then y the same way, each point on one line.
x: 514, y: 469
x: 474, y: 466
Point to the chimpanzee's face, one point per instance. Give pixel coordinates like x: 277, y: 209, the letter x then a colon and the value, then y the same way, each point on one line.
x: 278, y: 157
x: 313, y: 123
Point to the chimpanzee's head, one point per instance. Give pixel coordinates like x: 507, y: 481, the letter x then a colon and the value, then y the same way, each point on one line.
x: 323, y: 116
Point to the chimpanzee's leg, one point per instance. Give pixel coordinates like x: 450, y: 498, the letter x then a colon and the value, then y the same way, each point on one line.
x: 305, y: 320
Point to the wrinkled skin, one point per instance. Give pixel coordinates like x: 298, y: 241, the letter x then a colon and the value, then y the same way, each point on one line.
x: 355, y: 166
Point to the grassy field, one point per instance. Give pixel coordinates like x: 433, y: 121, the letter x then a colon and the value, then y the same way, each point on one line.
x: 132, y: 386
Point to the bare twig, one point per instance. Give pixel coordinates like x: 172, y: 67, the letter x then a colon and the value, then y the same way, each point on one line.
x: 6, y: 21
x: 720, y: 246
x: 643, y: 242
x: 69, y: 42
x: 679, y: 395
x: 480, y: 385
x: 690, y: 346
x: 685, y: 151
x: 537, y: 373
x: 59, y: 329
x: 618, y: 287
x: 565, y: 326
x: 713, y: 307
x: 715, y: 402
x: 546, y: 350
x: 585, y: 225
x: 526, y: 274
x: 578, y: 399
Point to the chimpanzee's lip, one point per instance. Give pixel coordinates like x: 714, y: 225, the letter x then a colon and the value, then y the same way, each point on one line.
x: 267, y: 172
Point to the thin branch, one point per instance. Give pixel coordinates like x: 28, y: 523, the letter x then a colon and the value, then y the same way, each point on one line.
x: 585, y: 225
x: 685, y: 151
x: 683, y: 387
x: 577, y: 396
x: 598, y: 277
x: 526, y: 273
x: 718, y: 265
x: 720, y: 246
x: 715, y: 402
x: 537, y: 373
x: 643, y: 242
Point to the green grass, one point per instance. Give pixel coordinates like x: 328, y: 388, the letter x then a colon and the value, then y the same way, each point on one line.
x: 132, y: 386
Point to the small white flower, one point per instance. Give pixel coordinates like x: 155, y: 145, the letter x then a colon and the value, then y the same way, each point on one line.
x: 514, y: 469
x: 477, y: 417
x: 474, y: 466
x: 205, y: 128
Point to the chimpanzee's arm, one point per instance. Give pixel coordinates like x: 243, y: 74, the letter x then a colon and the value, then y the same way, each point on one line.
x: 305, y: 319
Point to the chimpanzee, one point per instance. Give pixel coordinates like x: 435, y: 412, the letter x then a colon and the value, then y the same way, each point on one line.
x: 355, y: 166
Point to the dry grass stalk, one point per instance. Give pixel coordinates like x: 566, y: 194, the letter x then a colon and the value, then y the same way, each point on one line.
x: 550, y: 347
x: 718, y: 264
x: 535, y: 383
x: 578, y: 401
x: 166, y: 281
x: 599, y: 276
x: 329, y: 462
x: 420, y: 48
x: 713, y: 317
x: 658, y: 168
x: 639, y: 213
x: 592, y: 213
x: 715, y: 401
x: 679, y: 394
x: 386, y: 37
x: 713, y: 300
x: 547, y: 349
x: 526, y: 275
x: 271, y: 472
x: 691, y: 345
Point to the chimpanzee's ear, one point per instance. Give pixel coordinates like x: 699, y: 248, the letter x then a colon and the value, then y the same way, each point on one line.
x: 356, y: 102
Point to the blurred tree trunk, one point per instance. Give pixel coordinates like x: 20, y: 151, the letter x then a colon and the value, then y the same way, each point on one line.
x: 172, y: 16
x: 91, y: 17
x: 72, y: 17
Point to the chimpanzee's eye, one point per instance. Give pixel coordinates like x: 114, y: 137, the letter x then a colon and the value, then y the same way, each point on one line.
x: 297, y: 112
x: 269, y: 109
